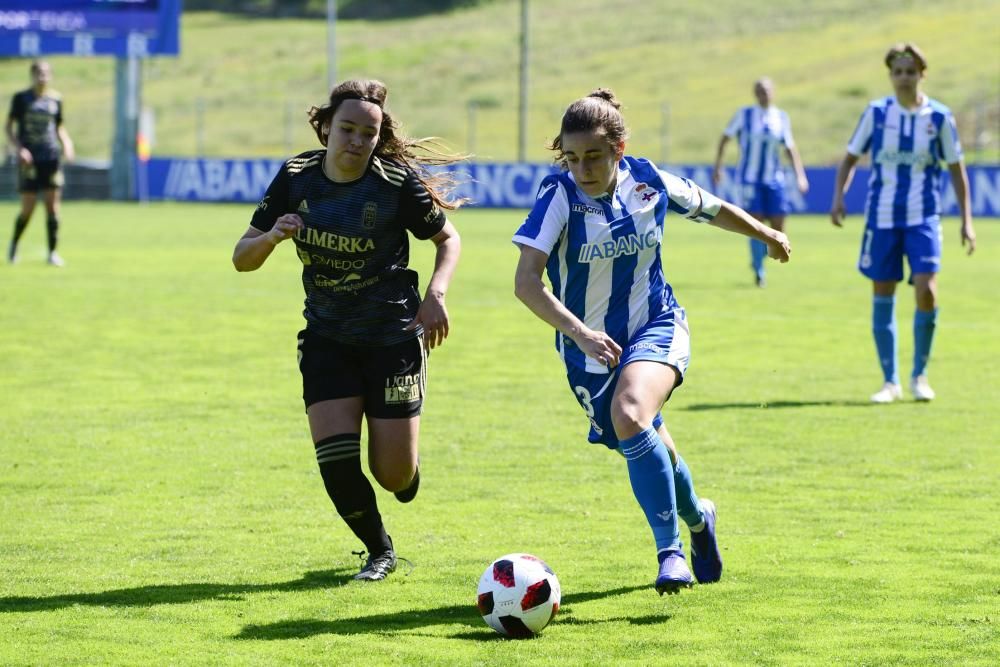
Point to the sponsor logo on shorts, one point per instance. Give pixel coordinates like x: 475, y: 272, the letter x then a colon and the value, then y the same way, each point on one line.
x: 652, y: 347
x: 402, y: 389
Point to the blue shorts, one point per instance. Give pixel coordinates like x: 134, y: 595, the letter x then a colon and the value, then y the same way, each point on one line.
x: 882, y: 251
x: 764, y: 200
x: 665, y: 339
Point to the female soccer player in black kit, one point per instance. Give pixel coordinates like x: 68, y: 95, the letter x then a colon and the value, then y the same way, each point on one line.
x: 348, y: 208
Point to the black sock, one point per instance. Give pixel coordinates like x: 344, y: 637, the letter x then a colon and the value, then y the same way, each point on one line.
x: 339, y: 458
x: 20, y: 223
x: 52, y: 226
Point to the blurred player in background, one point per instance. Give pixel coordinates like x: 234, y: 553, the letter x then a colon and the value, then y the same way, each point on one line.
x: 39, y: 142
x: 761, y: 130
x: 597, y: 228
x: 349, y: 208
x: 908, y: 134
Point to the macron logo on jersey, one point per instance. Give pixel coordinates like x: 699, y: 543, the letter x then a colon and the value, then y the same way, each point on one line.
x: 626, y: 245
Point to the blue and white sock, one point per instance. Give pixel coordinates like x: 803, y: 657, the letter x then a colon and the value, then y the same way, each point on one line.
x: 687, y: 500
x: 758, y: 251
x: 884, y: 330
x: 652, y: 478
x: 924, y: 322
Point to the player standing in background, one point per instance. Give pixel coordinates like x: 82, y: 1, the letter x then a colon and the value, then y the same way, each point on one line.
x: 39, y: 142
x: 362, y: 355
x: 908, y: 135
x: 597, y: 229
x: 761, y: 130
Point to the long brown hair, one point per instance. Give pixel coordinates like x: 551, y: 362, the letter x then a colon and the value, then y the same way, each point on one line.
x: 416, y: 154
x: 600, y: 111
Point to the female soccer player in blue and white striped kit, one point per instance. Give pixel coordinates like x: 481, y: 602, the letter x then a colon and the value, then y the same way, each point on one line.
x: 597, y: 228
x: 909, y: 135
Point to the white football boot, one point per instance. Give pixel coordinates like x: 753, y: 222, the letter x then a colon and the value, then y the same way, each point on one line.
x: 921, y: 389
x: 889, y: 392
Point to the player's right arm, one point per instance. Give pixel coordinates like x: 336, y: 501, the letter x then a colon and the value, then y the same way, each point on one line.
x: 270, y: 225
x: 22, y: 153
x: 845, y: 173
x: 529, y: 288
x: 859, y: 144
x: 732, y: 130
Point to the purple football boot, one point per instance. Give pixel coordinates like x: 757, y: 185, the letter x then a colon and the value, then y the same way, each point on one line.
x: 674, y: 573
x: 705, y: 557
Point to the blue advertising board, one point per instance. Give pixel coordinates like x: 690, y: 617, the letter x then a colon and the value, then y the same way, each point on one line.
x: 504, y: 185
x: 123, y: 28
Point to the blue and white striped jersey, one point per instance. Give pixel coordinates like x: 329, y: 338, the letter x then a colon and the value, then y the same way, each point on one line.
x: 907, y: 148
x: 761, y: 133
x: 605, y: 254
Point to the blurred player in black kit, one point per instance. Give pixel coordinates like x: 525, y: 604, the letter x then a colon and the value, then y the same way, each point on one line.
x: 38, y: 143
x: 348, y: 209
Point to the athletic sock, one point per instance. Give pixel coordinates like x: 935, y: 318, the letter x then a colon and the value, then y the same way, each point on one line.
x: 339, y: 459
x: 687, y: 500
x: 884, y: 330
x: 758, y: 251
x: 52, y: 227
x: 20, y: 224
x: 924, y: 322
x: 651, y: 475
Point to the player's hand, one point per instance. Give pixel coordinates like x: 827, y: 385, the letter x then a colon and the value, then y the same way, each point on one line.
x: 24, y: 156
x: 716, y: 176
x: 968, y: 238
x: 803, y: 184
x: 285, y: 227
x: 779, y: 247
x: 433, y: 317
x: 837, y: 213
x: 600, y: 346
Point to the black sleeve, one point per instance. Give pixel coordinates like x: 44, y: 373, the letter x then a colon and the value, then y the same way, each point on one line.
x: 16, y: 107
x: 274, y: 204
x: 417, y: 210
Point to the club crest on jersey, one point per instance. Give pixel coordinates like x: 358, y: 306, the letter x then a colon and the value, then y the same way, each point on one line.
x: 644, y: 194
x: 368, y: 214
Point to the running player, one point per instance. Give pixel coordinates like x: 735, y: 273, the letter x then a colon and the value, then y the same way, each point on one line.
x: 908, y: 134
x: 761, y: 131
x: 597, y: 229
x: 348, y: 207
x: 39, y: 142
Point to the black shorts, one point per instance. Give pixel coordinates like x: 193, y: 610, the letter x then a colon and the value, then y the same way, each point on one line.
x: 391, y: 379
x: 37, y: 176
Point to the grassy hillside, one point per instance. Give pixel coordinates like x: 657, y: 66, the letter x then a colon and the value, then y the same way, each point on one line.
x: 681, y: 71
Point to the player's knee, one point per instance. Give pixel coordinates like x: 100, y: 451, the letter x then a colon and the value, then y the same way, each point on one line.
x: 626, y: 416
x: 392, y: 475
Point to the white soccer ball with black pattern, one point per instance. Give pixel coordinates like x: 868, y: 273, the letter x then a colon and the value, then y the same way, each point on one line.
x: 518, y: 595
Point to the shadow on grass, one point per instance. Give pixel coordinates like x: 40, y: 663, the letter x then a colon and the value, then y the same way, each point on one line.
x: 464, y: 614
x: 770, y: 405
x: 147, y: 596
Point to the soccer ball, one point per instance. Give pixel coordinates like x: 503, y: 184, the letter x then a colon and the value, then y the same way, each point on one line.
x: 518, y: 595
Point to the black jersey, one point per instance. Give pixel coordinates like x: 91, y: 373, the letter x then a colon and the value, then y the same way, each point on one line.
x: 354, y: 245
x: 37, y: 117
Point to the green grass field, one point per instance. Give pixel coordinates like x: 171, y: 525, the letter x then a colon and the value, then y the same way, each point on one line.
x: 161, y: 503
x: 681, y: 69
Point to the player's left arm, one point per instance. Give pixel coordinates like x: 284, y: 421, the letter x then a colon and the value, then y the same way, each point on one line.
x: 69, y: 152
x: 800, y: 171
x: 960, y: 181
x: 734, y: 219
x: 432, y: 314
